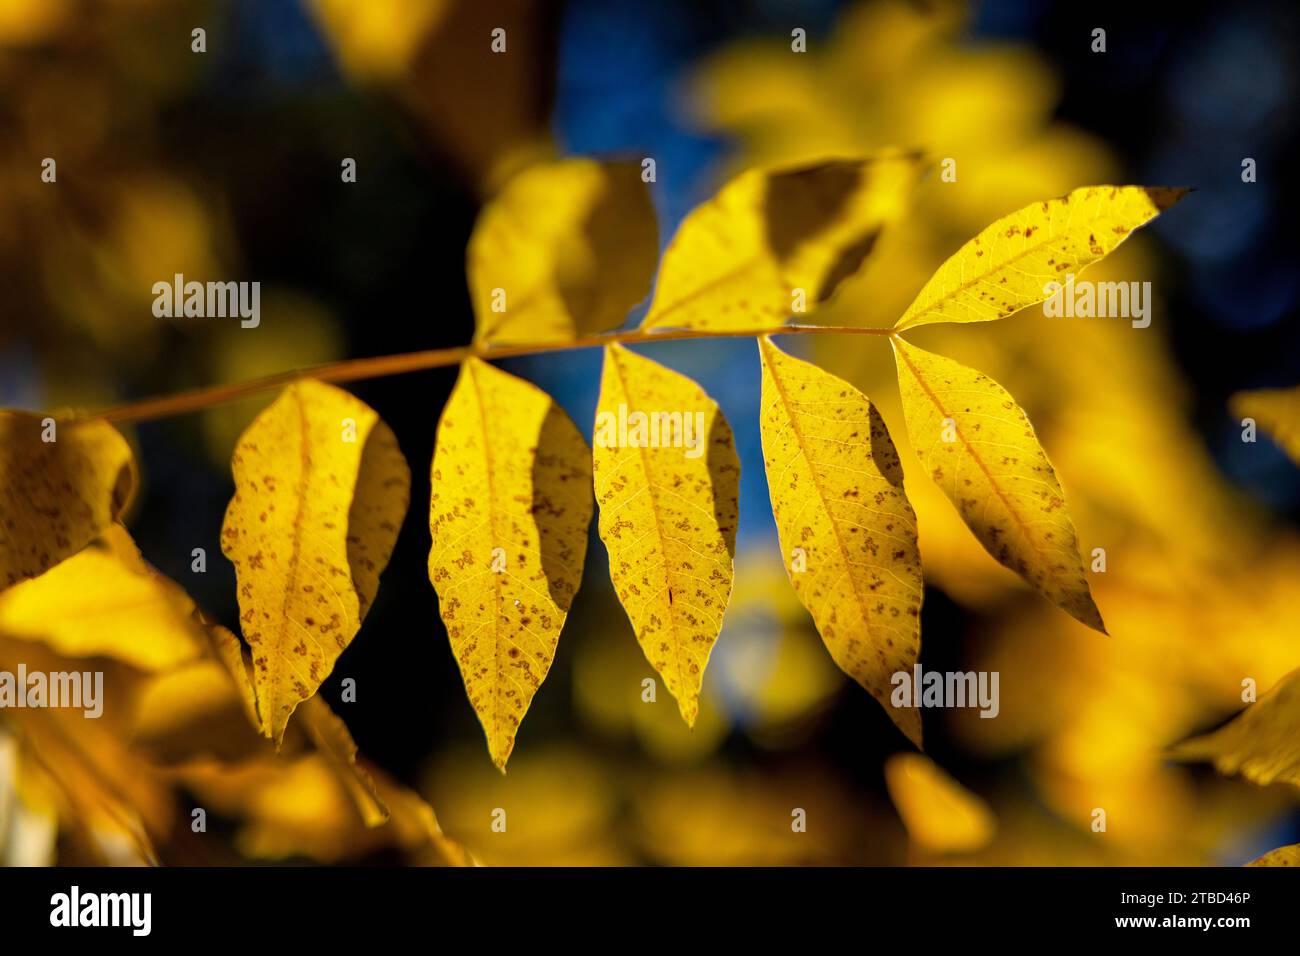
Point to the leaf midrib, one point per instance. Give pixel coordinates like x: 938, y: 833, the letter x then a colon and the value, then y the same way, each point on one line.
x: 821, y: 495
x: 659, y: 529
x: 997, y: 490
x: 492, y: 523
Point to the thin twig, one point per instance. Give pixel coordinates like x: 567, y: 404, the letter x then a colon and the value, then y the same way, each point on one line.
x: 352, y: 370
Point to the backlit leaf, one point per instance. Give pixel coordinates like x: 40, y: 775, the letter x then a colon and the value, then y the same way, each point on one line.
x: 509, y: 513
x: 667, y: 483
x: 300, y: 806
x: 1282, y: 856
x: 565, y: 250
x: 742, y: 259
x: 1262, y: 743
x: 488, y: 115
x: 105, y: 601
x: 61, y: 484
x: 231, y: 654
x: 978, y: 446
x: 1277, y: 411
x: 940, y: 814
x: 193, y: 711
x: 333, y: 740
x: 320, y: 492
x: 1008, y: 265
x: 848, y: 533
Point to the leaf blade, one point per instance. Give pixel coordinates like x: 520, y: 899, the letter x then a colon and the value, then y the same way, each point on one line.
x: 287, y: 532
x: 838, y: 457
x: 1277, y: 411
x: 940, y: 815
x: 1262, y: 743
x: 510, y: 472
x: 57, y: 496
x: 104, y: 601
x: 570, y: 245
x: 1282, y: 856
x: 737, y: 258
x: 946, y: 430
x: 675, y: 592
x: 1005, y: 268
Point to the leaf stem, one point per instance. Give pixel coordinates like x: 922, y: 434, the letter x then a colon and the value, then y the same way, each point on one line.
x: 352, y: 370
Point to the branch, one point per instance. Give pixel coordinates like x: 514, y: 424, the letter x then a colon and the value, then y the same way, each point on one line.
x: 352, y: 370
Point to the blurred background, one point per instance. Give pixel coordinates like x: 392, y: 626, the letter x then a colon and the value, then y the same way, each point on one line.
x: 227, y: 164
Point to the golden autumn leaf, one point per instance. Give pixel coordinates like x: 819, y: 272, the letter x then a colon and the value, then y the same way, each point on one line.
x: 61, y: 484
x: 111, y: 807
x: 300, y: 806
x: 377, y: 40
x: 190, y: 711
x: 334, y: 741
x: 566, y: 249
x: 979, y: 447
x: 847, y: 531
x: 941, y: 816
x: 561, y: 803
x: 105, y: 601
x: 320, y: 492
x: 1282, y: 856
x: 230, y: 653
x: 770, y: 237
x: 1262, y: 743
x: 1009, y: 264
x: 488, y: 114
x: 667, y: 483
x: 1277, y: 411
x: 509, y: 512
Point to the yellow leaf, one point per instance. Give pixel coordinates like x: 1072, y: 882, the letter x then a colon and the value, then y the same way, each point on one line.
x: 487, y: 114
x: 61, y: 484
x: 565, y: 250
x: 848, y: 533
x: 940, y: 814
x: 205, y: 705
x: 667, y: 482
x: 509, y: 513
x: 1277, y: 411
x: 300, y: 806
x: 1282, y: 856
x: 770, y: 236
x: 1008, y: 265
x: 380, y: 39
x: 105, y: 601
x: 231, y: 654
x: 320, y: 492
x: 193, y: 711
x: 978, y: 446
x: 1262, y: 743
x: 334, y: 741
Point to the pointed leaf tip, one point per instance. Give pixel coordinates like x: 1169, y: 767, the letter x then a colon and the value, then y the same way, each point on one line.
x: 847, y: 531
x: 509, y: 510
